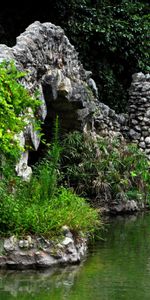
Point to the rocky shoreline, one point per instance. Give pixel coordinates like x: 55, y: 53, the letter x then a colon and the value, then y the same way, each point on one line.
x: 39, y: 252
x: 66, y: 89
x: 123, y: 207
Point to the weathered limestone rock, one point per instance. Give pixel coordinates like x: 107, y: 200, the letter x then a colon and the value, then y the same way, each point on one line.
x: 22, y: 168
x: 52, y: 66
x: 41, y: 253
x: 129, y: 206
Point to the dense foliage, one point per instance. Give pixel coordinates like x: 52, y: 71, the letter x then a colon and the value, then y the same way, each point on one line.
x: 113, y: 41
x: 15, y: 101
x: 106, y: 171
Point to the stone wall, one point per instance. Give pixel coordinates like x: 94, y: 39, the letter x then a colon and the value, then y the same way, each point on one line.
x: 109, y: 124
x: 134, y: 126
x: 139, y: 111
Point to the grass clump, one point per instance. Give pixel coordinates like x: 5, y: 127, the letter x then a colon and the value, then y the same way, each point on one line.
x: 41, y: 206
x: 28, y: 216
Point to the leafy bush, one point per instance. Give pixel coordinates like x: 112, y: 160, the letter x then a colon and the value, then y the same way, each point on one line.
x: 15, y: 101
x: 105, y: 170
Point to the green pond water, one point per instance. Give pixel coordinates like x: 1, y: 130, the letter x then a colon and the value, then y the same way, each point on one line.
x: 115, y: 268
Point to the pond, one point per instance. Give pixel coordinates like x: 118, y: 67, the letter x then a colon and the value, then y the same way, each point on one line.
x: 116, y: 268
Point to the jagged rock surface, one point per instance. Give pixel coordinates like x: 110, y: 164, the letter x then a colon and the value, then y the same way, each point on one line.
x: 38, y: 252
x: 52, y: 66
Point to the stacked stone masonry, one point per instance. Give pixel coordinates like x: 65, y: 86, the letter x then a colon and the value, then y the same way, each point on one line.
x: 139, y: 111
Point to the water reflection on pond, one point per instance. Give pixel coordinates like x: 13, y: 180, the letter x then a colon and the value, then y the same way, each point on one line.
x: 44, y: 284
x: 116, y: 268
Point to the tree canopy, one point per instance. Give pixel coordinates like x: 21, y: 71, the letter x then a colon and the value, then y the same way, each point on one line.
x: 112, y: 40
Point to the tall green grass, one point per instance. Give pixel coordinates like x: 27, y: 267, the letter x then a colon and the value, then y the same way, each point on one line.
x: 47, y: 218
x: 42, y: 206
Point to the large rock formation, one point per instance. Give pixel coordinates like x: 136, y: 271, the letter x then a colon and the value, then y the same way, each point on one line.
x: 52, y: 66
x: 67, y: 90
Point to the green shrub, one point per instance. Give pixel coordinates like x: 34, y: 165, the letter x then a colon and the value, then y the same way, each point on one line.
x: 15, y: 101
x: 105, y: 170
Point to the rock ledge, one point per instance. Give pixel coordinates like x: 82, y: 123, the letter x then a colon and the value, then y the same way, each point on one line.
x: 33, y: 253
